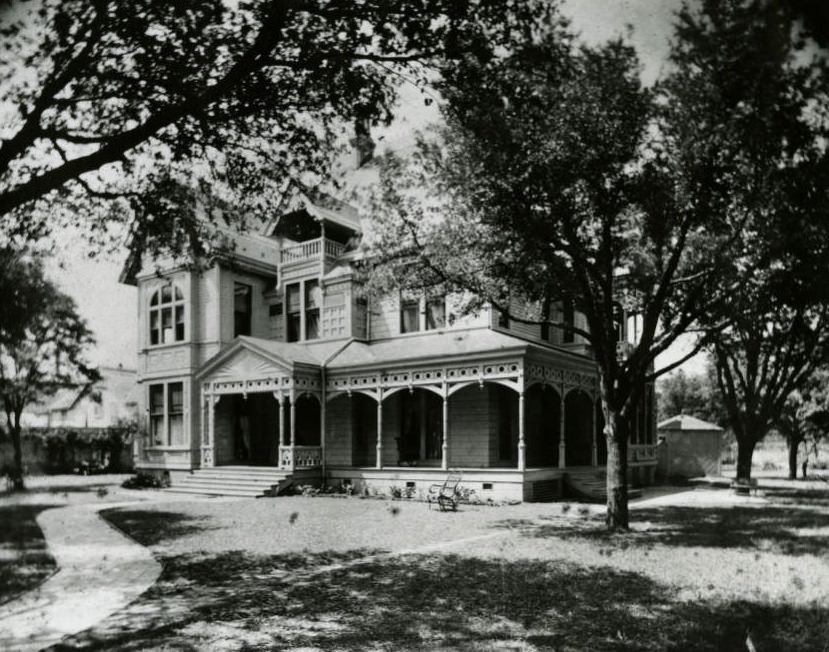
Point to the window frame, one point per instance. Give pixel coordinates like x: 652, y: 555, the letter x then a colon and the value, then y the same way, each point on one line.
x: 162, y: 415
x: 159, y: 307
x: 247, y: 289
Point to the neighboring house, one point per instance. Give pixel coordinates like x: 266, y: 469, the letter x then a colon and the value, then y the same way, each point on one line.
x: 274, y: 358
x: 688, y: 447
x: 115, y: 398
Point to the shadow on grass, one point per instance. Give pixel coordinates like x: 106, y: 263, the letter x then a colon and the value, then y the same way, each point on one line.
x: 150, y: 527
x: 785, y: 529
x: 431, y: 602
x: 24, y: 560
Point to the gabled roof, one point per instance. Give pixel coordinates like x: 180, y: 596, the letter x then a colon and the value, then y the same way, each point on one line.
x: 284, y: 355
x: 686, y: 422
x: 319, y: 205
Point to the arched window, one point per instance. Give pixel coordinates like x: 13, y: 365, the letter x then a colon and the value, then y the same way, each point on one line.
x: 166, y: 315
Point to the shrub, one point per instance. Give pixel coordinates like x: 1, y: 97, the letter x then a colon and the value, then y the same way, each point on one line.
x: 145, y: 481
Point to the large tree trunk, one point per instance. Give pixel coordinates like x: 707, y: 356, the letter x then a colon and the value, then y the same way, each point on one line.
x: 794, y: 444
x: 745, y: 451
x: 17, y: 470
x: 616, y: 433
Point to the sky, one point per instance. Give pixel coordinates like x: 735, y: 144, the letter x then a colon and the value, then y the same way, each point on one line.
x: 110, y: 307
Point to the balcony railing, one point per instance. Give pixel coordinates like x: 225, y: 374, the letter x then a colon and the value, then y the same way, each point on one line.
x: 300, y: 457
x: 311, y: 249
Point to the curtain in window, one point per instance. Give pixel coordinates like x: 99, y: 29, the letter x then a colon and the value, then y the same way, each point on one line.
x: 157, y: 414
x: 176, y: 413
x: 436, y: 313
x: 409, y: 317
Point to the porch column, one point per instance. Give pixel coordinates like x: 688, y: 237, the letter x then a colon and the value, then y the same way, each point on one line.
x: 522, y: 446
x: 445, y: 448
x: 595, y: 449
x: 292, y: 398
x: 207, y: 450
x: 562, y: 446
x: 280, y: 399
x: 379, y: 460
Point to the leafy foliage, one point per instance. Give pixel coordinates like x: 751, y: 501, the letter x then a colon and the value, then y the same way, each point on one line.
x: 43, y: 341
x: 696, y: 395
x: 745, y: 82
x: 558, y: 179
x: 108, y: 103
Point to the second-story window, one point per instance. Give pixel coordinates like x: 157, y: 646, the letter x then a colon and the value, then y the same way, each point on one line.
x: 313, y: 301
x: 293, y: 312
x: 241, y: 309
x: 409, y: 314
x: 167, y: 315
x: 435, y: 312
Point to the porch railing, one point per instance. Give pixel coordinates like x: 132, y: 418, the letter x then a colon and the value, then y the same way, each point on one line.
x: 300, y: 457
x: 312, y: 249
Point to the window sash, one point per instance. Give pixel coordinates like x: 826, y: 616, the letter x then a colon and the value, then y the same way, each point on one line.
x: 436, y: 313
x: 409, y: 317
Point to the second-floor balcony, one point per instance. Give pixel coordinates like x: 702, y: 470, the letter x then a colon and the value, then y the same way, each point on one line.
x: 311, y: 249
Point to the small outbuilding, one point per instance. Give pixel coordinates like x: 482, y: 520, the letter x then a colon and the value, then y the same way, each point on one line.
x: 687, y: 447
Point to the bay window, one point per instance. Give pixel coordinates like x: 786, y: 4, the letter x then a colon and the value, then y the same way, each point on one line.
x: 167, y: 414
x: 167, y: 315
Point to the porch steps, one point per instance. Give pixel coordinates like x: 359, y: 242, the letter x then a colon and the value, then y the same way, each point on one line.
x: 590, y: 484
x: 238, y: 481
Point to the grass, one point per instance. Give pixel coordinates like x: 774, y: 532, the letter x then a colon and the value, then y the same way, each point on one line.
x: 330, y: 574
x: 24, y: 560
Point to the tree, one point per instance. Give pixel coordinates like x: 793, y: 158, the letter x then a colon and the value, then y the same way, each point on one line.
x: 804, y: 418
x: 105, y: 101
x: 42, y: 343
x: 696, y: 395
x: 745, y: 84
x: 548, y: 183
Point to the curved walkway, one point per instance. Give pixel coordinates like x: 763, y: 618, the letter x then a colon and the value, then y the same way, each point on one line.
x: 100, y: 571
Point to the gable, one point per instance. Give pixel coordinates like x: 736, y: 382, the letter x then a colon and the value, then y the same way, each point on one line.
x: 241, y: 363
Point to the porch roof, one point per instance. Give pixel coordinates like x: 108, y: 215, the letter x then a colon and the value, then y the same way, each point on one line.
x: 270, y: 357
x: 445, y: 344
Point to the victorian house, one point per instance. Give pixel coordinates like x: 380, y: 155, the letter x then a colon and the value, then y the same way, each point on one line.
x: 271, y: 368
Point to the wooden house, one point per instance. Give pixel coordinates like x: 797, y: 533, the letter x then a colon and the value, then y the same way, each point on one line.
x: 272, y: 367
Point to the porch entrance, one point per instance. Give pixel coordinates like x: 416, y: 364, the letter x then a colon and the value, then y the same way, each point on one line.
x: 255, y: 430
x: 421, y: 428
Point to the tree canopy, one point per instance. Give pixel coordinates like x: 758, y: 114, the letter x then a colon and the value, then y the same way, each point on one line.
x: 43, y: 342
x: 105, y: 104
x: 558, y: 177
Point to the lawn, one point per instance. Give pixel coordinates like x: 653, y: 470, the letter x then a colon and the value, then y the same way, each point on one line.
x: 351, y: 574
x: 24, y: 560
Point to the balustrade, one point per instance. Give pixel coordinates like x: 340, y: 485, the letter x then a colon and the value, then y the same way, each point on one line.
x: 300, y: 457
x: 312, y: 249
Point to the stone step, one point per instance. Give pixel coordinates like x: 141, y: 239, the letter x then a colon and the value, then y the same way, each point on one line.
x: 217, y: 477
x: 231, y: 484
x: 218, y: 491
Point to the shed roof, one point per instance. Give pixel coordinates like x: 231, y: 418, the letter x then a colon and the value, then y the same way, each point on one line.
x: 687, y: 422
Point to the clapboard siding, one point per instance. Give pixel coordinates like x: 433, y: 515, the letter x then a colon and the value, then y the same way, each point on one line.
x: 338, y: 424
x: 469, y: 434
x: 385, y: 317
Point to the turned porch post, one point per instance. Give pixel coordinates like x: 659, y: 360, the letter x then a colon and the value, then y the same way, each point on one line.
x: 280, y: 399
x: 522, y: 445
x: 379, y: 460
x: 444, y: 463
x: 562, y: 446
x: 208, y: 447
x: 292, y: 398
